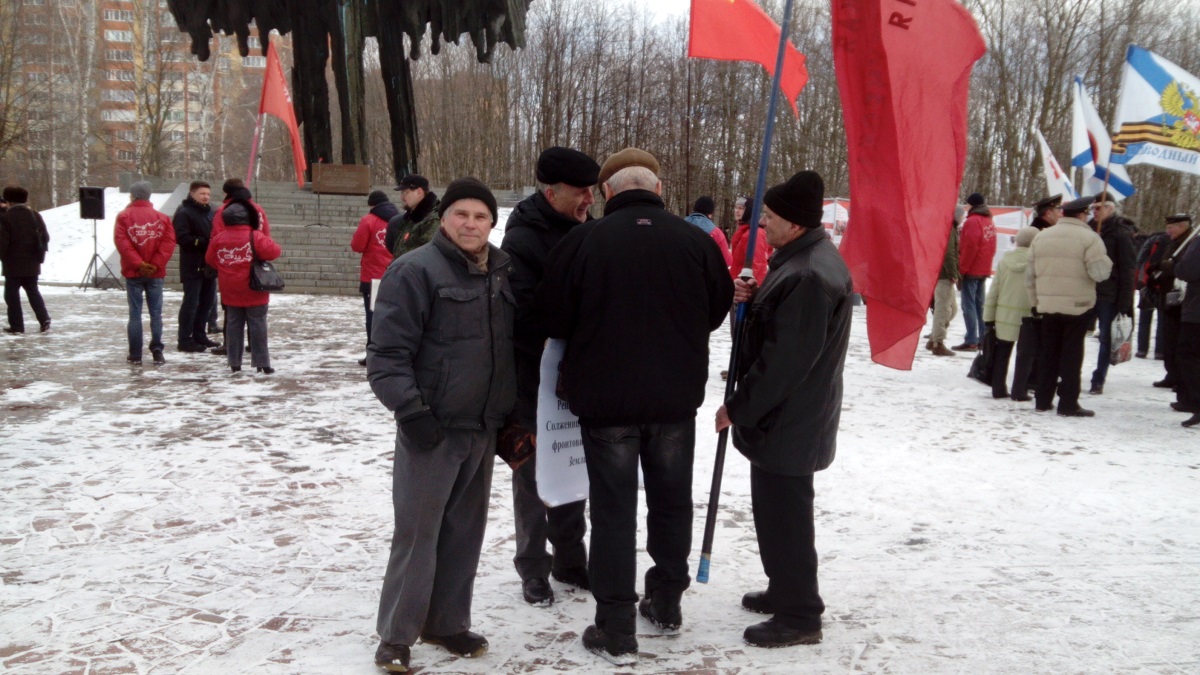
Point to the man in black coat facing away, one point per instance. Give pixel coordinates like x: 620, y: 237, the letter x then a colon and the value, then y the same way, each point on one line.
x: 788, y: 402
x: 1113, y: 295
x: 566, y: 180
x: 23, y: 244
x: 193, y: 228
x: 636, y: 294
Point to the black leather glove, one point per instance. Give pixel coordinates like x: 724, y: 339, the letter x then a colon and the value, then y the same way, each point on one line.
x: 422, y: 429
x: 1034, y: 314
x: 989, y: 324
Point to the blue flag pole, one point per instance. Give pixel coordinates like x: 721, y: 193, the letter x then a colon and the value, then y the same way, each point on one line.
x: 710, y: 524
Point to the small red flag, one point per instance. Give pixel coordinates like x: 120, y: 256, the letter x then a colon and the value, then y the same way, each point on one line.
x: 278, y: 102
x: 739, y: 30
x: 903, y: 70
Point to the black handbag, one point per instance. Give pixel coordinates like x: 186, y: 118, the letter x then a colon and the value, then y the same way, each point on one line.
x: 263, y: 276
x: 981, y: 367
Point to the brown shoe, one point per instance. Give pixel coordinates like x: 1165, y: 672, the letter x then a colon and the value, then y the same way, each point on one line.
x: 939, y: 349
x: 966, y: 347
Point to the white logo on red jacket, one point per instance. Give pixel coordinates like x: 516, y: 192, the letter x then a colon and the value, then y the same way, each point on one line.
x: 233, y: 256
x: 381, y: 237
x: 141, y: 234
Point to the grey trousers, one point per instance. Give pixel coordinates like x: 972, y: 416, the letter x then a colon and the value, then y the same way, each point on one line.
x: 945, y: 306
x: 440, y: 499
x: 564, y: 526
x: 236, y: 320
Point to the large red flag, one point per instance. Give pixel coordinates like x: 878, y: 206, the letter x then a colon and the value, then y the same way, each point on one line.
x: 739, y: 30
x: 278, y: 102
x: 903, y: 70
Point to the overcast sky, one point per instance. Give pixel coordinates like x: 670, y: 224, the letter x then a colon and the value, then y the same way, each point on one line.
x: 665, y: 8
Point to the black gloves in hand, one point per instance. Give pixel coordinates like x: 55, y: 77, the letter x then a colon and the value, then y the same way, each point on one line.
x: 422, y: 429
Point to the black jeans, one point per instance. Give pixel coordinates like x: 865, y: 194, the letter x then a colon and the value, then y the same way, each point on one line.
x: 783, y: 521
x: 199, y: 296
x: 1187, y: 364
x: 1171, y: 319
x: 1026, y: 370
x: 563, y: 526
x: 364, y: 289
x: 1000, y: 357
x: 1062, y: 349
x: 666, y: 453
x: 12, y: 298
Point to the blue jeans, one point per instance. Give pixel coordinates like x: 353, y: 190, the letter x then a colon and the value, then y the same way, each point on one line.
x: 666, y: 453
x: 1105, y: 313
x: 153, y: 290
x: 972, y: 308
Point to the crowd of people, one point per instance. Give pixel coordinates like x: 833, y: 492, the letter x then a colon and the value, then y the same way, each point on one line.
x: 456, y: 328
x: 1071, y: 275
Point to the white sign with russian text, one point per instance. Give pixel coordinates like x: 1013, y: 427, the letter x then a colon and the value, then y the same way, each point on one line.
x: 561, y: 471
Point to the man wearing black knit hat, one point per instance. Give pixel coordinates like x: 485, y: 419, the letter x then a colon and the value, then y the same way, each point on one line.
x: 788, y: 402
x: 566, y: 184
x: 440, y: 357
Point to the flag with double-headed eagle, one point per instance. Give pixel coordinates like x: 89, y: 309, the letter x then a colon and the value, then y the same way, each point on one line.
x: 1158, y: 114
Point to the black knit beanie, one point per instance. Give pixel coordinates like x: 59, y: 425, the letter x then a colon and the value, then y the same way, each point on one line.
x: 376, y: 197
x: 800, y: 200
x: 704, y: 205
x: 468, y: 188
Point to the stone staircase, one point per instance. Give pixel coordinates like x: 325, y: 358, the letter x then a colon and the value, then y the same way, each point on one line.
x: 314, y: 232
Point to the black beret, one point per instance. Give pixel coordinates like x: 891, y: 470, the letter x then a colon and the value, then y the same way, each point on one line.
x: 376, y: 197
x: 800, y: 200
x: 704, y: 205
x: 564, y: 165
x: 412, y: 181
x: 1077, y: 206
x: 976, y: 199
x: 1048, y: 202
x: 16, y: 194
x: 468, y: 188
x: 1174, y: 218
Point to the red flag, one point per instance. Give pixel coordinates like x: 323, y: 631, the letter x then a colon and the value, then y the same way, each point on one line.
x: 739, y: 30
x: 903, y: 70
x: 278, y: 102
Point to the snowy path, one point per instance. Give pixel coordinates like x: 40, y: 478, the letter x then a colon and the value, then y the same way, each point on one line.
x: 184, y: 520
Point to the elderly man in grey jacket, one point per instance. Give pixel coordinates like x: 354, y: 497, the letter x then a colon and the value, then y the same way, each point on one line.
x: 1065, y: 264
x: 441, y: 358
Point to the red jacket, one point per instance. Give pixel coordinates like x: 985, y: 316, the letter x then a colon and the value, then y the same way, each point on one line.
x: 143, y: 234
x: 977, y: 245
x: 229, y: 253
x: 762, y: 251
x: 368, y: 240
x: 719, y: 237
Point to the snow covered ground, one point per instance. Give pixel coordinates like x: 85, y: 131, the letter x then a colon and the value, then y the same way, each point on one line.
x: 181, y: 519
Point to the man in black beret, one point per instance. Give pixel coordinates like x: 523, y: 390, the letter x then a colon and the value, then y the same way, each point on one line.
x: 566, y: 184
x: 788, y: 402
x: 414, y: 227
